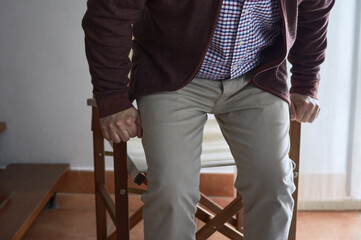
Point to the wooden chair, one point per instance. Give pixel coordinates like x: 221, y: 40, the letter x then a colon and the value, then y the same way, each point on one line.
x: 129, y: 159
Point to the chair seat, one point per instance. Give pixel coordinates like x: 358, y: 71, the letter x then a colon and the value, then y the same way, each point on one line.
x: 215, y: 151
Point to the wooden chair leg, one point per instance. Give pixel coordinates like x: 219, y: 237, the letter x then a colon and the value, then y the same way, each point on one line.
x: 99, y: 176
x: 121, y: 191
x: 239, y: 218
x: 295, y: 136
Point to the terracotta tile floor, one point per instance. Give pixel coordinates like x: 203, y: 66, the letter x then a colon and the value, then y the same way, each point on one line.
x: 74, y: 219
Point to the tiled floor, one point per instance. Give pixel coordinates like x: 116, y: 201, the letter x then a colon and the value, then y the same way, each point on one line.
x: 74, y: 219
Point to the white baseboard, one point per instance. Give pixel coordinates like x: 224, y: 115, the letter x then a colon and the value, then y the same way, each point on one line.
x: 342, y: 204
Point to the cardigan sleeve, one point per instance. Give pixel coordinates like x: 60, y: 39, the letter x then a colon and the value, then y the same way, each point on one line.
x: 108, y: 32
x: 308, y: 50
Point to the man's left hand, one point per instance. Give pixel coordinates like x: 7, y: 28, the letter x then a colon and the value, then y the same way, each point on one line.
x: 304, y: 108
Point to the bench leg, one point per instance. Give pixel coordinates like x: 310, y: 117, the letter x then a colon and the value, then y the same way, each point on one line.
x: 51, y: 204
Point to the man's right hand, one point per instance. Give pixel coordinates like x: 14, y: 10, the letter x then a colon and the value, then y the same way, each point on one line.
x: 121, y: 126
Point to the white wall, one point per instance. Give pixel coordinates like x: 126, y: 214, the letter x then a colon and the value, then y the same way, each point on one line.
x: 326, y: 173
x: 44, y: 83
x: 325, y: 142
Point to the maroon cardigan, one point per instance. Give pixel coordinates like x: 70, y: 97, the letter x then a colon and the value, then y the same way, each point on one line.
x: 171, y: 38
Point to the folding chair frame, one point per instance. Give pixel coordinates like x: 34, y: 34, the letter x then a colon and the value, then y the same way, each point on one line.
x: 211, y: 214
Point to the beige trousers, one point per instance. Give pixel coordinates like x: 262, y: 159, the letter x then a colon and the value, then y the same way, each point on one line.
x: 255, y: 125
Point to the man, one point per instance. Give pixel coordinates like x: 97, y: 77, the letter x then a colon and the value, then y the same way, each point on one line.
x: 197, y: 57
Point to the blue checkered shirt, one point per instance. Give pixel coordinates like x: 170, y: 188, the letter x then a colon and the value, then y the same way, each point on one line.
x: 244, y: 29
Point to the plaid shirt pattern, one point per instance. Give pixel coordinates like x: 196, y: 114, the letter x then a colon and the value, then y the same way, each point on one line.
x: 244, y: 28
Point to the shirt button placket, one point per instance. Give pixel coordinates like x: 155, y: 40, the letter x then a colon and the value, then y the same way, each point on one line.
x: 238, y: 41
x: 236, y: 50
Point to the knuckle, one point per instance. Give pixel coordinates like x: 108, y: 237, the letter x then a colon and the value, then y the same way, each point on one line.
x: 310, y: 105
x: 129, y: 120
x: 110, y: 126
x: 119, y: 124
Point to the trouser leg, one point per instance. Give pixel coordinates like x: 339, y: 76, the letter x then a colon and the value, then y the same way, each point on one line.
x: 172, y: 137
x: 255, y: 124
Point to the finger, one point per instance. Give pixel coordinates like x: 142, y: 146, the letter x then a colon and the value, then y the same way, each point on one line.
x: 310, y: 109
x: 123, y: 135
x: 114, y: 135
x: 293, y: 111
x: 130, y: 127
x: 120, y: 131
x: 306, y: 117
x: 314, y: 115
x: 318, y: 112
x: 300, y: 112
x: 132, y: 130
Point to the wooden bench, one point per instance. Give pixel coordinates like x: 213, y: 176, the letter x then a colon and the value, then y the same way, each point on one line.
x: 24, y: 191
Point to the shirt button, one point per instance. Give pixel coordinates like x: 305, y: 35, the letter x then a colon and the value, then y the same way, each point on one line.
x: 246, y: 11
x: 240, y: 43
